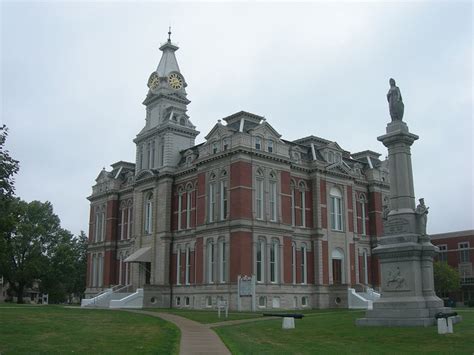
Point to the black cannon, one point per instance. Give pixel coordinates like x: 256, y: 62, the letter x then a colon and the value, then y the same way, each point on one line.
x: 289, y: 315
x: 445, y: 315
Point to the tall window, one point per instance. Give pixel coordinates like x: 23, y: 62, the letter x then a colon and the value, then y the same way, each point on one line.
x: 443, y: 253
x: 210, y: 261
x: 222, y: 261
x: 336, y: 209
x: 212, y: 198
x: 363, y: 215
x: 178, y: 265
x: 99, y: 224
x: 140, y: 156
x: 188, y: 265
x: 270, y: 146
x: 94, y: 271
x: 225, y: 144
x: 260, y: 258
x: 215, y: 148
x: 130, y: 221
x: 258, y: 143
x: 152, y: 162
x: 274, y: 261
x: 223, y: 199
x: 292, y: 187
x: 337, y: 257
x: 463, y: 252
x: 181, y: 204
x: 304, y: 266
x: 100, y: 276
x: 162, y: 154
x: 188, y: 206
x: 148, y: 152
x: 148, y: 213
x: 273, y: 198
x: 259, y: 195
x: 364, y: 267
x: 303, y: 204
x: 293, y: 262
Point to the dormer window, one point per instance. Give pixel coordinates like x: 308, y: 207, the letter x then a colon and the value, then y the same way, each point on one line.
x: 338, y: 158
x: 270, y: 146
x: 258, y: 143
x: 331, y: 157
x: 215, y: 148
x: 225, y: 144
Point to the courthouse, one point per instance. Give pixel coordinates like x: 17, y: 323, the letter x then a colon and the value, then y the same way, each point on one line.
x: 184, y: 221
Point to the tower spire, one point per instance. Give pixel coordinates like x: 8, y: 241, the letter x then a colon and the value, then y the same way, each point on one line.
x: 169, y: 34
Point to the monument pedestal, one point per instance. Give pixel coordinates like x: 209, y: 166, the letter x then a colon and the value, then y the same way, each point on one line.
x: 405, y: 251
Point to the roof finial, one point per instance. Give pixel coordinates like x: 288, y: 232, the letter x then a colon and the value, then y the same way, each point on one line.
x: 169, y: 34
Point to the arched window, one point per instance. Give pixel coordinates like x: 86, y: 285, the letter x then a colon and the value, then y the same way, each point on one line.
x: 303, y: 203
x: 222, y: 261
x: 293, y: 204
x: 274, y: 261
x: 259, y: 195
x: 304, y: 264
x: 210, y: 261
x: 181, y: 206
x: 148, y: 213
x: 273, y: 196
x: 212, y: 197
x: 223, y: 206
x: 336, y: 209
x: 260, y: 260
x: 337, y: 257
x: 293, y: 262
x: 363, y: 216
x: 99, y: 223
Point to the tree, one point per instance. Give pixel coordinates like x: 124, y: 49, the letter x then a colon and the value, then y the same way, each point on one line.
x: 446, y: 278
x: 27, y: 247
x: 8, y: 167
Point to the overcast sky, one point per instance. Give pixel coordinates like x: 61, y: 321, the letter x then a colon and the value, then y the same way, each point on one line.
x: 74, y: 76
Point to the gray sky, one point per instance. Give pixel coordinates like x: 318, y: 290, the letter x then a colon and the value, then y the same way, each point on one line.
x: 74, y: 75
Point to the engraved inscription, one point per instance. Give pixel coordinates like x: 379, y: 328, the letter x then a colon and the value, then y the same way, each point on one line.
x: 396, y: 226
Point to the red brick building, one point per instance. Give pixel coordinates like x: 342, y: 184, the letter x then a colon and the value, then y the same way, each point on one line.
x: 185, y: 220
x: 457, y: 249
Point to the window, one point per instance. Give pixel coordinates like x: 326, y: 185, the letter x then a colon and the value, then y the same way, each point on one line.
x: 258, y: 143
x: 130, y: 221
x: 162, y: 154
x: 304, y: 266
x: 100, y: 276
x: 140, y: 157
x: 273, y: 198
x: 443, y: 253
x: 262, y: 301
x: 148, y: 214
x: 180, y: 208
x: 188, y: 265
x: 274, y: 261
x: 94, y: 270
x: 365, y: 273
x: 210, y: 261
x: 215, y: 148
x: 222, y: 261
x: 186, y: 301
x: 293, y: 262
x: 304, y: 301
x: 225, y: 144
x: 178, y: 301
x: 260, y: 258
x: 303, y: 203
x: 178, y: 265
x: 259, y: 195
x: 363, y: 216
x: 331, y: 157
x: 276, y: 302
x: 212, y: 198
x: 223, y: 200
x: 463, y: 252
x: 270, y: 146
x: 337, y: 257
x: 336, y: 209
x: 292, y: 186
x: 188, y: 206
x: 208, y: 301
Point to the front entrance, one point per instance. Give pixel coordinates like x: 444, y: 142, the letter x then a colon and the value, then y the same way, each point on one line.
x: 337, y: 271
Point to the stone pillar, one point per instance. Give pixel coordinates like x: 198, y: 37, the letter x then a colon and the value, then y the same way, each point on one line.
x: 406, y: 256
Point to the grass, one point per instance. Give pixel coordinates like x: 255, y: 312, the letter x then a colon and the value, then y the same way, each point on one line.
x: 207, y: 317
x: 335, y: 332
x: 55, y: 329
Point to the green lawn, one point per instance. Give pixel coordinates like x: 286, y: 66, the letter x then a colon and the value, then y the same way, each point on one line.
x: 206, y: 316
x: 335, y: 332
x: 55, y: 329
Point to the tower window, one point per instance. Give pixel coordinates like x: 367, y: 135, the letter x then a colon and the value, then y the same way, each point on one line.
x: 270, y: 146
x: 258, y: 143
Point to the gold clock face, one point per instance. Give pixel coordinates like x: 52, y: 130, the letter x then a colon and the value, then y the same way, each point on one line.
x: 176, y: 81
x: 154, y: 81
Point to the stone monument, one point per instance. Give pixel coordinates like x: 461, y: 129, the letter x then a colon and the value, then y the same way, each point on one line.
x: 404, y: 251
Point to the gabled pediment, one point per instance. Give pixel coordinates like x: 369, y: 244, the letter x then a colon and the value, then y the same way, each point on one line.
x: 334, y: 146
x: 266, y: 130
x: 340, y: 168
x: 218, y: 132
x: 103, y: 176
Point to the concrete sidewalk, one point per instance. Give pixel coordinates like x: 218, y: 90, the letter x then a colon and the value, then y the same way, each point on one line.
x: 196, y: 338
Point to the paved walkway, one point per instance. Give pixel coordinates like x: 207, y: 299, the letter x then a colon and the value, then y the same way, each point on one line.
x: 196, y: 338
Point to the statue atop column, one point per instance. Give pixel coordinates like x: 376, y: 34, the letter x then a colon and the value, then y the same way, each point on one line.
x: 395, y: 102
x: 422, y: 216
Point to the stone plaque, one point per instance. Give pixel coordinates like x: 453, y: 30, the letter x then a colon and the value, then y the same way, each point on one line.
x: 396, y: 226
x: 246, y: 286
x: 395, y: 280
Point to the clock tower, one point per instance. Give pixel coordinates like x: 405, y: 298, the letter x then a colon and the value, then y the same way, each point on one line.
x: 168, y: 129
